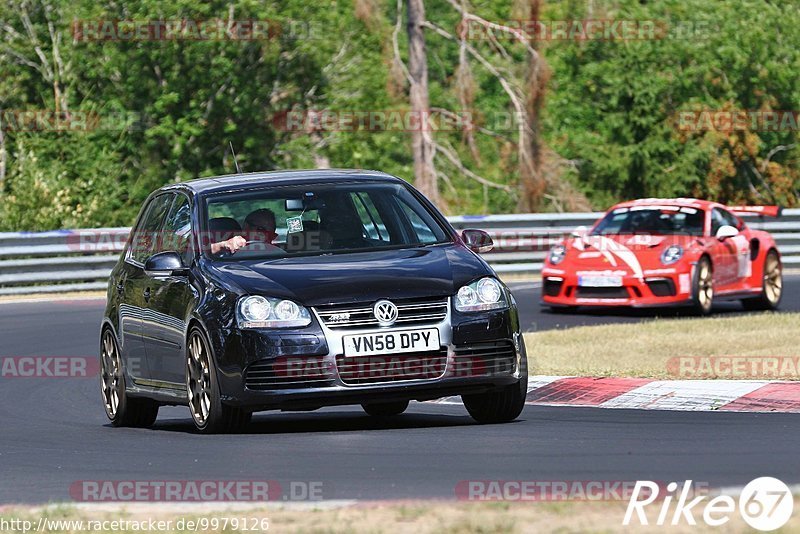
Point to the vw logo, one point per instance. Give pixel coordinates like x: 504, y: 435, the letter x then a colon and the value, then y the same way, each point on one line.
x: 385, y: 312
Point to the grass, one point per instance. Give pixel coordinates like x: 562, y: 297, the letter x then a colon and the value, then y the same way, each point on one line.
x: 417, y: 517
x: 657, y: 348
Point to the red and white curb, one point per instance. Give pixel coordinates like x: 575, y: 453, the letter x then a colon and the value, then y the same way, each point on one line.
x: 648, y: 394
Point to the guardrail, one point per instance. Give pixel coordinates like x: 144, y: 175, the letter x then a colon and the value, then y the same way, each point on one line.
x: 81, y: 260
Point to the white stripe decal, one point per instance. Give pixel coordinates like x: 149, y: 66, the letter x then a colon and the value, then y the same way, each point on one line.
x: 684, y: 395
x: 611, y: 250
x: 625, y: 254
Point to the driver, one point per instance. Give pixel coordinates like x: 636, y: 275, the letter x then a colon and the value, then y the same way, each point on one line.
x: 259, y: 227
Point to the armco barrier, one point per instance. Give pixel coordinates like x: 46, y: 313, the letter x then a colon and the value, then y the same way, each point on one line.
x: 57, y: 261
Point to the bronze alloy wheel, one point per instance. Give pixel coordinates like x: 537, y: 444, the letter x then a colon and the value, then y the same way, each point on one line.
x: 704, y: 286
x: 771, y: 285
x: 773, y: 279
x: 111, y: 380
x: 198, y: 379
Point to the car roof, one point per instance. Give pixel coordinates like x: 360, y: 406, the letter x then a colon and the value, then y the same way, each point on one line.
x: 255, y: 180
x: 688, y: 202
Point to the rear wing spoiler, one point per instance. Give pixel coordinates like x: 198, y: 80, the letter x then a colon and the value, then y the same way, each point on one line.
x: 761, y: 211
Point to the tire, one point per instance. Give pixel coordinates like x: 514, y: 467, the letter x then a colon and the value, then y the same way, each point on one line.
x: 771, y: 285
x: 209, y: 414
x: 385, y: 409
x: 703, y: 287
x: 121, y: 410
x: 501, y: 406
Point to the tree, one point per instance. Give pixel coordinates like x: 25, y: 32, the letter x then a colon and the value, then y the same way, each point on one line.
x: 422, y: 145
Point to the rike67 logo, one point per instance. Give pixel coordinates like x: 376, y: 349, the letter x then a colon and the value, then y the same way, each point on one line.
x: 765, y: 504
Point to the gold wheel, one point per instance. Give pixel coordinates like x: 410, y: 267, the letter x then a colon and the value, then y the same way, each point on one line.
x: 773, y: 279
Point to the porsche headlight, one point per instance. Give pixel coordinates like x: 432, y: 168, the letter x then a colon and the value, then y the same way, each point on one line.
x: 557, y: 254
x: 671, y: 254
x: 481, y: 295
x: 262, y: 312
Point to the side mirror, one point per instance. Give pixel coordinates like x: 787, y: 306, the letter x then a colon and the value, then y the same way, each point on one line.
x: 726, y: 231
x: 165, y: 264
x: 477, y: 240
x: 579, y: 231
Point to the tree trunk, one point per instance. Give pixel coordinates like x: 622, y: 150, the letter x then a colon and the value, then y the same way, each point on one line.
x: 2, y: 153
x: 422, y: 145
x: 532, y: 181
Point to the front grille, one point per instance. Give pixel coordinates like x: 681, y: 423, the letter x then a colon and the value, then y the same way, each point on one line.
x: 485, y: 359
x: 289, y: 372
x: 410, y: 312
x: 356, y: 370
x: 552, y: 287
x: 602, y: 293
x: 662, y: 287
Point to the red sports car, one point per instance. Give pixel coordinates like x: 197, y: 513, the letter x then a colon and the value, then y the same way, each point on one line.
x: 666, y: 252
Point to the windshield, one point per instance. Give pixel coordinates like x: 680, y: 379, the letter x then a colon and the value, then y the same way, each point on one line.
x: 663, y: 220
x: 317, y: 219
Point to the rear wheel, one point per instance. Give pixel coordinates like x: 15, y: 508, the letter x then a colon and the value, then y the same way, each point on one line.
x: 501, y: 406
x: 771, y: 285
x: 703, y: 287
x: 385, y: 409
x: 121, y: 409
x: 209, y: 414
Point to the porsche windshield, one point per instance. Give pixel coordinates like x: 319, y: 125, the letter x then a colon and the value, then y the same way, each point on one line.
x: 317, y: 219
x: 661, y: 220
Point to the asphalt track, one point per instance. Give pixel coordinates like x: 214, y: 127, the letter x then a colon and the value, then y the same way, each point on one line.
x: 54, y: 432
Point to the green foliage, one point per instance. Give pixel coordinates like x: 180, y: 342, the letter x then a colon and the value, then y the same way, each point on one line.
x: 614, y: 106
x: 611, y: 110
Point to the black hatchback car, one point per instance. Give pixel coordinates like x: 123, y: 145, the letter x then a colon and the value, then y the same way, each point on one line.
x: 302, y: 289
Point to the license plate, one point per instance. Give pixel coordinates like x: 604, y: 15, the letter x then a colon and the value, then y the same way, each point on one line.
x: 600, y: 281
x: 395, y: 342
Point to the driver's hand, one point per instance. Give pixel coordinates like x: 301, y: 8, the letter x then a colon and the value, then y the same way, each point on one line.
x: 233, y: 244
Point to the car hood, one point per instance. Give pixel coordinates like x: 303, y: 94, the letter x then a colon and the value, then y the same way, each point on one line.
x: 348, y: 278
x: 631, y: 254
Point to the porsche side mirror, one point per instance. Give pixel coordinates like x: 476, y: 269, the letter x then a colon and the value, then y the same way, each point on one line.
x: 165, y: 264
x: 477, y: 240
x: 726, y: 231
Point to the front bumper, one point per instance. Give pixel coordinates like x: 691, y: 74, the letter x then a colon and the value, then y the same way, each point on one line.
x: 305, y: 369
x: 655, y: 288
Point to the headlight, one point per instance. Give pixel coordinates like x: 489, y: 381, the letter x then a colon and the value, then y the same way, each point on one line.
x: 261, y: 312
x: 483, y: 294
x: 671, y: 254
x: 556, y: 254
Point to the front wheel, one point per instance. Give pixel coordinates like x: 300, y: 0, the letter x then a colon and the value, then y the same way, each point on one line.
x: 209, y: 414
x: 501, y: 406
x: 703, y: 287
x: 121, y: 409
x: 771, y: 286
x: 385, y: 409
